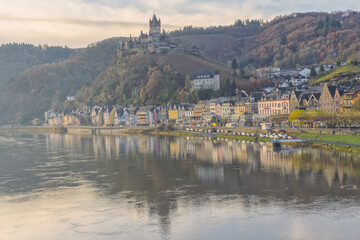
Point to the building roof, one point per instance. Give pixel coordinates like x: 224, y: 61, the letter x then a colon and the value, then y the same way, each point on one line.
x: 146, y: 109
x: 298, y: 93
x: 332, y: 90
x: 199, y: 74
x: 154, y: 19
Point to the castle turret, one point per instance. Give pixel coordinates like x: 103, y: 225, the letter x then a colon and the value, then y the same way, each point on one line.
x: 155, y: 29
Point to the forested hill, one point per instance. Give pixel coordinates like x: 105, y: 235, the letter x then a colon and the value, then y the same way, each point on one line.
x: 16, y: 58
x: 143, y: 78
x: 45, y: 86
x: 286, y: 41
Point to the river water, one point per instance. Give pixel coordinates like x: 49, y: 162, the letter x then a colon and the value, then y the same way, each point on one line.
x: 139, y: 187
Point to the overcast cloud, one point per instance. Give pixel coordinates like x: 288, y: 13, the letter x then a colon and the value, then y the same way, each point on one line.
x: 77, y: 23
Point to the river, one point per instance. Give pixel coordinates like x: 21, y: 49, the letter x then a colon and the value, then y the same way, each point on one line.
x: 56, y: 186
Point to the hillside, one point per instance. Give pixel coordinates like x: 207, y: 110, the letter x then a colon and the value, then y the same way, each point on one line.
x: 46, y: 86
x: 16, y: 58
x: 298, y: 39
x: 340, y: 74
x: 142, y: 78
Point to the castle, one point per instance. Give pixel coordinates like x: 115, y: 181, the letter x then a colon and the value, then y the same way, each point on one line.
x: 154, y: 42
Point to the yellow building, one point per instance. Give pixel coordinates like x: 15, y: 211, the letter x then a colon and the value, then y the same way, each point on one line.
x: 173, y: 113
x: 239, y: 108
x: 348, y: 100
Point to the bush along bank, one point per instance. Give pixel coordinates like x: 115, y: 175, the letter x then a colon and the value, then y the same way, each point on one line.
x: 336, y: 147
x: 244, y: 138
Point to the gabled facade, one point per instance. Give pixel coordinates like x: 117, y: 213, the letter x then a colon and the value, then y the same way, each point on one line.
x: 173, y: 113
x: 313, y: 102
x: 330, y: 99
x: 97, y: 116
x: 294, y: 100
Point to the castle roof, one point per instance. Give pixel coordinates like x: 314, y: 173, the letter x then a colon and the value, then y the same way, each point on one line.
x: 154, y: 19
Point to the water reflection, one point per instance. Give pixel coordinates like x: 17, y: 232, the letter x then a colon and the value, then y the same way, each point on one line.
x: 156, y: 186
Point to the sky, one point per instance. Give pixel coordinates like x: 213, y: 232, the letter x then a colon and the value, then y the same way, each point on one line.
x: 77, y: 23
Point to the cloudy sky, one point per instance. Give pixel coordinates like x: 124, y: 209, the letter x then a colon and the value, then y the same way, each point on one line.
x: 76, y: 23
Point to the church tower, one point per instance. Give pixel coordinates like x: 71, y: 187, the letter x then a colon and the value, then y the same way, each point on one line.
x: 155, y: 29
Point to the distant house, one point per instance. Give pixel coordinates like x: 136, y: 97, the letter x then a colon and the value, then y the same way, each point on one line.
x: 107, y: 116
x: 162, y: 115
x: 173, y: 113
x: 283, y: 85
x: 199, y: 110
x: 273, y: 105
x: 131, y: 119
x: 313, y: 102
x: 294, y: 100
x: 70, y: 97
x: 189, y: 114
x: 145, y: 116
x: 305, y: 72
x: 330, y: 99
x: 239, y: 108
x: 349, y: 99
x: 208, y: 79
x: 97, y: 116
x: 298, y: 80
x: 219, y: 109
x: 226, y: 109
x: 267, y: 72
x: 119, y: 115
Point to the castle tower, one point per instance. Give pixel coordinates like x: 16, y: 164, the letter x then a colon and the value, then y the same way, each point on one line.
x: 155, y: 29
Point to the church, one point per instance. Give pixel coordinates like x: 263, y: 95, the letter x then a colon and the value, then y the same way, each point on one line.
x: 153, y: 42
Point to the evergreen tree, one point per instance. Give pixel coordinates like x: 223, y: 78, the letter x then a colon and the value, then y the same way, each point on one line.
x: 234, y: 65
x: 321, y: 68
x: 312, y: 72
x: 242, y: 71
x: 338, y: 62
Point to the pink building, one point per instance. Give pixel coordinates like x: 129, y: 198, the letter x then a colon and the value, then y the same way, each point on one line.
x: 219, y: 109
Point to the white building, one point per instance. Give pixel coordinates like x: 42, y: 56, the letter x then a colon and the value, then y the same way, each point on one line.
x: 208, y: 79
x: 298, y: 80
x: 305, y: 72
x: 70, y: 98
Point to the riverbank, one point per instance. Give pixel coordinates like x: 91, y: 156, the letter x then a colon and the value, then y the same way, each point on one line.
x: 338, y: 143
x: 161, y: 132
x: 243, y: 138
x: 32, y: 129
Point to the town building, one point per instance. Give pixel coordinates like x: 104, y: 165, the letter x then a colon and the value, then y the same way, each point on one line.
x: 199, y: 109
x: 274, y: 106
x: 330, y: 99
x: 207, y: 79
x: 146, y: 115
x: 173, y: 113
x: 226, y: 109
x: 349, y: 99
